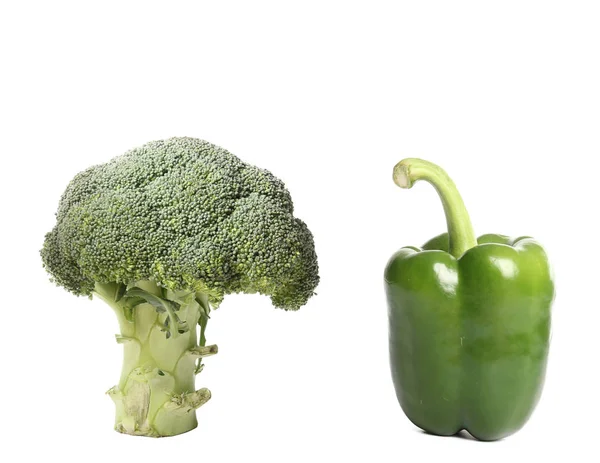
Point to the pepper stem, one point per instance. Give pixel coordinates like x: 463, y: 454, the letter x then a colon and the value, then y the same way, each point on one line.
x: 461, y: 236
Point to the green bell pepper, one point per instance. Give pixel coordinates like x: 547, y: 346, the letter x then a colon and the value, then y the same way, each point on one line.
x: 469, y: 322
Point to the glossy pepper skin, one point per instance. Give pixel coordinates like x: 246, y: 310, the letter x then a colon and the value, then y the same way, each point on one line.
x: 469, y: 322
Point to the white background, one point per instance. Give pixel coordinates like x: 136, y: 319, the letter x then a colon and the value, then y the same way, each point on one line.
x: 328, y: 96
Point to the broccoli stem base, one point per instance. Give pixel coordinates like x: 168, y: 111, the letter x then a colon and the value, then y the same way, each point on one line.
x: 156, y: 396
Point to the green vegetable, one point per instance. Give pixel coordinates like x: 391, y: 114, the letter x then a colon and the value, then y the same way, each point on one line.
x: 162, y: 234
x: 469, y: 322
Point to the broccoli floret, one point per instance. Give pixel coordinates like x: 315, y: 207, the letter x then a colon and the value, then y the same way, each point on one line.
x: 183, y: 213
x: 166, y: 231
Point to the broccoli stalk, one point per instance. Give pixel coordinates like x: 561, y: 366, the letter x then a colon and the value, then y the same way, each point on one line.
x: 162, y: 234
x: 155, y: 395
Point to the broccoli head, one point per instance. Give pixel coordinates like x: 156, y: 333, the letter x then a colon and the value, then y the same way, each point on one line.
x: 186, y: 214
x: 162, y: 233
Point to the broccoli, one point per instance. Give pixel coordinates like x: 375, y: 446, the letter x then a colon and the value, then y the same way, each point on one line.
x: 162, y: 234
